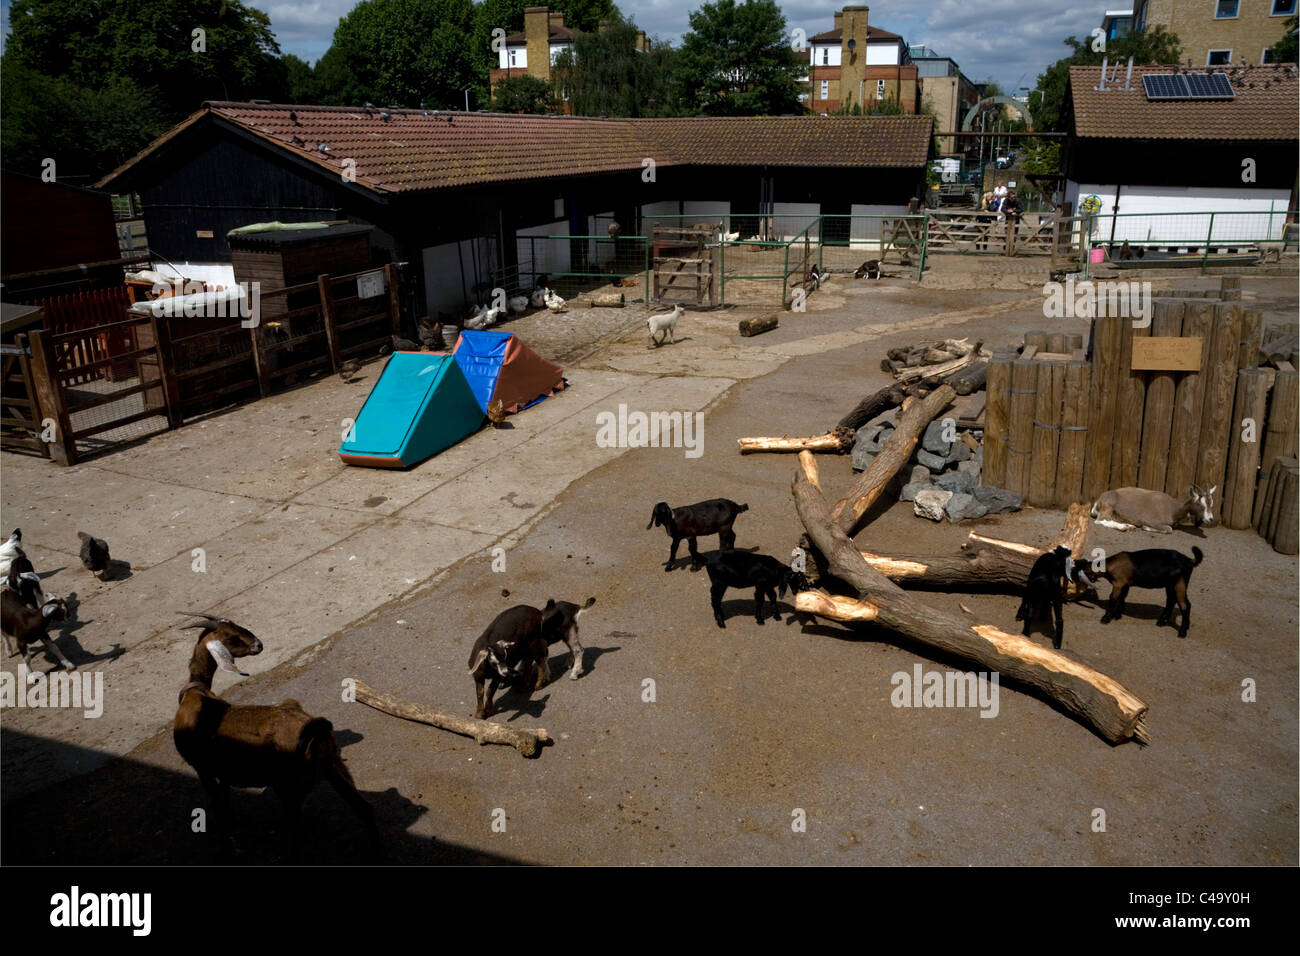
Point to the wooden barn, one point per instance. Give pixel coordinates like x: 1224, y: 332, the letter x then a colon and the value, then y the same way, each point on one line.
x: 460, y: 198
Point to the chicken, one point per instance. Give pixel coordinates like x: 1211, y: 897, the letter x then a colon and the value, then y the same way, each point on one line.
x: 404, y: 345
x: 94, y: 555
x: 10, y: 550
x: 517, y: 304
x: 349, y: 369
x: 430, y: 335
x: 481, y: 320
x: 554, y: 302
x: 496, y: 412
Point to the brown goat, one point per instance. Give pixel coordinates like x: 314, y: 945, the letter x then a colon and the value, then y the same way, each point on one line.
x: 238, y: 745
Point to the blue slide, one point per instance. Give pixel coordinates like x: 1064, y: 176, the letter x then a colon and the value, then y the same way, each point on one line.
x: 420, y: 405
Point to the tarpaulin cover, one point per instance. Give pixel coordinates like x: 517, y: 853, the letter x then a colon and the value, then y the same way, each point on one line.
x: 498, y: 365
x: 420, y: 405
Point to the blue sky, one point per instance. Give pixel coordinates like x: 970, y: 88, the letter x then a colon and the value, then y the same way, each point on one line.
x: 1010, y: 41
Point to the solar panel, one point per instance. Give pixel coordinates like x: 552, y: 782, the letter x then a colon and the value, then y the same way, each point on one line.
x: 1187, y: 86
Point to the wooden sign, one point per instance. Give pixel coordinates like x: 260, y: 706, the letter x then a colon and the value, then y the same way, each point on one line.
x: 371, y: 284
x: 203, y: 234
x: 1168, y: 354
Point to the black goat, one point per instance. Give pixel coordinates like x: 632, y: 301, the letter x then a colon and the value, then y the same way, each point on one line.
x: 714, y: 516
x: 513, y: 649
x: 1152, y: 568
x: 869, y: 269
x: 28, y: 625
x: 1045, y: 589
x: 741, y: 569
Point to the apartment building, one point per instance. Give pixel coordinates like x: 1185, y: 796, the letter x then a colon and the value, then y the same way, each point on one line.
x: 856, y: 64
x: 1219, y: 32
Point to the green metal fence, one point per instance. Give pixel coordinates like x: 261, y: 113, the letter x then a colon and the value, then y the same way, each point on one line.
x: 571, y: 265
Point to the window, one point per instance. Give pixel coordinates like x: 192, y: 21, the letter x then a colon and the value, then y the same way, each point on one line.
x: 513, y: 57
x: 1283, y: 8
x: 1226, y: 9
x: 1140, y: 16
x: 826, y: 56
x: 826, y: 89
x: 880, y: 89
x: 1219, y: 58
x: 1267, y: 56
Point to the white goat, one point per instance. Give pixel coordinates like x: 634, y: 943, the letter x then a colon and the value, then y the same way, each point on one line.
x: 664, y: 325
x: 10, y: 550
x: 1126, y: 509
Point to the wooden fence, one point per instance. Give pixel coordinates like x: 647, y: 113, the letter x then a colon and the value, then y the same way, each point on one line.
x: 1062, y: 429
x: 116, y: 381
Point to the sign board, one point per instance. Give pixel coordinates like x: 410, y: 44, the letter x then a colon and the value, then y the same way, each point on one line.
x: 1167, y: 354
x: 371, y: 284
x: 202, y: 233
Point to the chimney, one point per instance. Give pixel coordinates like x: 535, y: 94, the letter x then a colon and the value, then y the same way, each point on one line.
x: 642, y: 41
x: 537, y: 41
x: 853, y: 71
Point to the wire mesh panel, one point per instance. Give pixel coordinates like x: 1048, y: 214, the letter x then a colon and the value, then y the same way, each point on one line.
x: 847, y: 241
x: 574, y: 265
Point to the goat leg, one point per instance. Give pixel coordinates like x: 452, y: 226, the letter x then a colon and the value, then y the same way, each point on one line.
x: 672, y: 554
x: 716, y: 591
x: 695, y: 554
x: 575, y: 649
x: 759, y: 598
x: 51, y: 646
x: 1060, y: 621
x: 776, y: 607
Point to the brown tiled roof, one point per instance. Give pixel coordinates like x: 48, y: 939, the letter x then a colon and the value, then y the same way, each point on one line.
x: 416, y: 149
x: 873, y: 33
x: 555, y: 34
x: 1264, y: 107
x: 794, y: 140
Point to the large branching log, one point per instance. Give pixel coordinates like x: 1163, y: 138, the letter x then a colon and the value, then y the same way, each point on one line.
x: 867, y: 487
x: 985, y: 562
x: 1103, y: 703
x: 528, y: 741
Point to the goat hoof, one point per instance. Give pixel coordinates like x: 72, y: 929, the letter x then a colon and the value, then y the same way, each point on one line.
x: 721, y: 623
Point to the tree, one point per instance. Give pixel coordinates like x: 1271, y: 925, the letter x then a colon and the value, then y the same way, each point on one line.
x: 604, y: 73
x: 402, y: 52
x: 300, y: 80
x: 1284, y: 50
x: 523, y: 94
x: 183, y: 51
x: 87, y: 132
x: 737, y: 60
x: 1154, y: 46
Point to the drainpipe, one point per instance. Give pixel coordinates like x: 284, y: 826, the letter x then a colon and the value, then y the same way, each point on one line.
x: 1114, y: 214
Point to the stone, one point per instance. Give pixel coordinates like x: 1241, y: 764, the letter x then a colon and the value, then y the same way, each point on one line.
x: 960, y: 452
x: 998, y: 500
x: 935, y: 463
x: 863, y: 456
x: 971, y: 467
x: 958, y: 482
x: 962, y: 506
x: 930, y: 503
x: 912, y: 488
x: 920, y: 474
x: 933, y: 440
x: 867, y: 433
x: 979, y: 455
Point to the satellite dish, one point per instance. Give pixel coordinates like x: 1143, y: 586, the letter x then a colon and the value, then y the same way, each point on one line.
x: 853, y: 44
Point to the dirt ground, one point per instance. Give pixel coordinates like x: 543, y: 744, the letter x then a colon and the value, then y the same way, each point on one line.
x: 751, y: 729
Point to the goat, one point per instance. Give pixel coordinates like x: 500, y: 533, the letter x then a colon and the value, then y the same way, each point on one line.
x: 10, y: 550
x: 511, y: 650
x: 246, y: 745
x: 714, y: 516
x: 27, y: 625
x: 1151, y: 568
x: 870, y: 269
x: 663, y: 327
x: 24, y: 581
x: 1129, y: 508
x: 815, y: 278
x: 741, y: 569
x: 1045, y: 589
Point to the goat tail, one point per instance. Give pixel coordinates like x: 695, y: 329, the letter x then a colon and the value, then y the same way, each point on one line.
x: 316, y: 742
x: 1095, y: 514
x: 1197, y: 555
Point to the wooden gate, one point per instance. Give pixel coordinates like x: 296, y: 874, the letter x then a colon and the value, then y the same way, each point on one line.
x: 20, y: 414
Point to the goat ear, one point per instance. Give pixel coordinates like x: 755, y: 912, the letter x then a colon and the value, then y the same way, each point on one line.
x: 221, y: 654
x: 1212, y: 491
x: 654, y: 519
x: 550, y: 604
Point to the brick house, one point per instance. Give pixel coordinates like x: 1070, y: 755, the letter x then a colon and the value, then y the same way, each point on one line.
x: 1219, y: 32
x: 857, y: 64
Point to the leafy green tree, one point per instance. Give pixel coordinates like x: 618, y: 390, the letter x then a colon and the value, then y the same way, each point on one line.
x: 402, y: 52
x: 1284, y: 50
x: 737, y: 61
x: 154, y: 45
x: 523, y: 94
x: 1153, y: 46
x: 300, y: 80
x: 604, y: 73
x: 87, y: 132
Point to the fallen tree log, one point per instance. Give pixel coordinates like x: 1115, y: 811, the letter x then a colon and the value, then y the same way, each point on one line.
x: 837, y: 442
x: 1103, y: 703
x: 766, y: 323
x: 985, y: 561
x: 867, y: 487
x: 528, y: 741
x: 970, y: 379
x: 943, y: 368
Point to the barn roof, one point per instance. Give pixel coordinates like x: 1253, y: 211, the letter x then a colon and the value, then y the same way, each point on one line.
x: 1263, y: 106
x: 415, y: 150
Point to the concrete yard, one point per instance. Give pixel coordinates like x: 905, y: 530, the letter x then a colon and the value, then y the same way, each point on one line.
x: 387, y: 577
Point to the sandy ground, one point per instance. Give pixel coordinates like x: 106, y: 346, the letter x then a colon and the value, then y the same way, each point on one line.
x: 750, y: 728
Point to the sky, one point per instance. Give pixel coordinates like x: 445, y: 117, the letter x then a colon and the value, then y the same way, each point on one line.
x: 1009, y: 41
